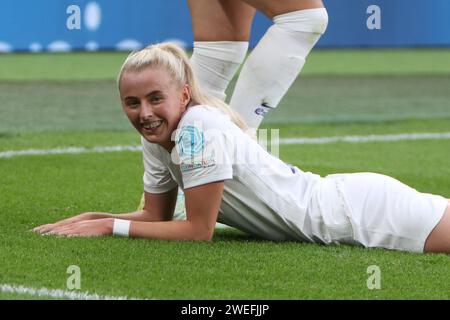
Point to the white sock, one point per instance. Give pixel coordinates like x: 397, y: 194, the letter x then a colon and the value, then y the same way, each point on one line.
x: 275, y: 63
x: 216, y: 62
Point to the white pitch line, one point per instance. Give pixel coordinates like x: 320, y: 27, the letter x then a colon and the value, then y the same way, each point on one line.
x: 74, y: 150
x: 57, y: 293
x: 285, y: 141
x: 368, y: 138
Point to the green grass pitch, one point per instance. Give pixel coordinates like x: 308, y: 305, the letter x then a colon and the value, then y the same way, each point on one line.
x: 69, y: 100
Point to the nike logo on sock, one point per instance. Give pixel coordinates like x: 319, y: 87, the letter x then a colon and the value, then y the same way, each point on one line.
x: 262, y: 109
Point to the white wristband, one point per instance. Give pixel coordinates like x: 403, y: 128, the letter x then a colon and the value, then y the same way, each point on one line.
x: 121, y: 227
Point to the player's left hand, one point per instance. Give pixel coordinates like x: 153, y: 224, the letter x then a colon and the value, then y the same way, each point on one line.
x: 87, y: 228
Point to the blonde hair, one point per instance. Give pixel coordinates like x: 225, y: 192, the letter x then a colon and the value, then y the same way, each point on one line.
x: 176, y: 62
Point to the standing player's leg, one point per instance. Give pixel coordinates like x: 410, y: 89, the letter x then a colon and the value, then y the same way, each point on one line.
x: 279, y: 56
x: 221, y: 32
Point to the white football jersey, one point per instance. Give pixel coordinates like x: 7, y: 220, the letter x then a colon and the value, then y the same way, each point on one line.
x: 262, y: 195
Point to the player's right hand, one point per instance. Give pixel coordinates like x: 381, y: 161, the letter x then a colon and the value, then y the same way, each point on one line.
x: 49, y: 227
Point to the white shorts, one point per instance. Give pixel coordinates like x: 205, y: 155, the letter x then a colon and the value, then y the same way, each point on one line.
x: 375, y: 210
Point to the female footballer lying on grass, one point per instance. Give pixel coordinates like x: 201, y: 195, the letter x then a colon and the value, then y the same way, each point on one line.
x: 195, y: 141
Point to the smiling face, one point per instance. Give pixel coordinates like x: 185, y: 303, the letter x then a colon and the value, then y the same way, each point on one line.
x: 154, y: 103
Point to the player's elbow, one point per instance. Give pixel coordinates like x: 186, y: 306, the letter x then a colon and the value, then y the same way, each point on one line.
x: 203, y: 234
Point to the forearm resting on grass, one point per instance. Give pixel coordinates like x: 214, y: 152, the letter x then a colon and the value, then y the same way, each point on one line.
x: 158, y: 207
x: 199, y: 226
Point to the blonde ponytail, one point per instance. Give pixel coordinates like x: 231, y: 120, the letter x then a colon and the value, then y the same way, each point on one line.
x: 176, y: 62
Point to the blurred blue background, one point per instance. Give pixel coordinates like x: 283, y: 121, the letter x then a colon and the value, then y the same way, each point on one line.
x: 41, y: 25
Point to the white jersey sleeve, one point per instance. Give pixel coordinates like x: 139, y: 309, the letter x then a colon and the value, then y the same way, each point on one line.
x: 202, y: 148
x: 157, y: 177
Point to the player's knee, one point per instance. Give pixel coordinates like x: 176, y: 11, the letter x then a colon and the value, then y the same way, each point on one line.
x: 309, y: 20
x: 272, y: 8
